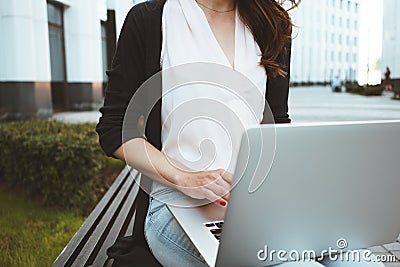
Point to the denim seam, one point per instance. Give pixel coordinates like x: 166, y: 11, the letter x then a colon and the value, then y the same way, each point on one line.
x: 174, y: 243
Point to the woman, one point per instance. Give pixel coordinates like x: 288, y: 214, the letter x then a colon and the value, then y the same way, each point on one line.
x: 387, y: 82
x: 250, y: 36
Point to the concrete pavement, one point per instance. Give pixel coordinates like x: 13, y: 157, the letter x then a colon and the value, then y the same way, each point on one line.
x: 306, y: 104
x: 77, y: 117
x: 319, y: 104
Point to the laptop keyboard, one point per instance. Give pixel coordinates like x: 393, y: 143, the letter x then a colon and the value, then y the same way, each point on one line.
x: 215, y: 228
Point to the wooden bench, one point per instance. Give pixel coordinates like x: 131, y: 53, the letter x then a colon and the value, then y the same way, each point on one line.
x: 113, y: 217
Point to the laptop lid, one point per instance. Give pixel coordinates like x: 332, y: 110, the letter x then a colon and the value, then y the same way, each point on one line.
x: 331, y: 185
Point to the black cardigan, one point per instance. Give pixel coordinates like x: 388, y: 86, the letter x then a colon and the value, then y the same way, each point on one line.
x: 137, y: 58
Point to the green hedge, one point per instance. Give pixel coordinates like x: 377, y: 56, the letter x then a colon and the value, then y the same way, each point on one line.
x: 375, y: 90
x: 396, y: 93
x: 61, y: 164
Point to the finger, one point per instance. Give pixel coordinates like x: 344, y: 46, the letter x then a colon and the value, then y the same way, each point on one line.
x: 228, y: 177
x: 217, y: 189
x: 210, y: 195
x: 222, y: 202
x: 222, y: 182
x: 226, y: 196
x: 226, y: 189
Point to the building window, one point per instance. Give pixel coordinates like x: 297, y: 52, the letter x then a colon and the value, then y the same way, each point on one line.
x: 104, y: 50
x: 56, y: 42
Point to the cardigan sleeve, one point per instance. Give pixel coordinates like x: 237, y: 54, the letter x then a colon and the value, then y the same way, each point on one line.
x: 278, y: 91
x: 124, y: 78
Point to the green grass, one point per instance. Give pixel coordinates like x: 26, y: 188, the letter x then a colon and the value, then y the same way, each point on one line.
x: 31, y: 235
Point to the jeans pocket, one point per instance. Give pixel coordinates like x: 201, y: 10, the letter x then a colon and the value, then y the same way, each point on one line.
x: 154, y: 207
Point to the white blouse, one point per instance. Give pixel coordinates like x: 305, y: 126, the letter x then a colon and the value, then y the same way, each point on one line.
x: 203, y: 120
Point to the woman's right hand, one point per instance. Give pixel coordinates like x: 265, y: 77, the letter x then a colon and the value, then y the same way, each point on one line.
x: 213, y: 185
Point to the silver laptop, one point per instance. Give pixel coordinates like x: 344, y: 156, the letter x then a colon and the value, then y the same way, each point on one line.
x: 329, y: 183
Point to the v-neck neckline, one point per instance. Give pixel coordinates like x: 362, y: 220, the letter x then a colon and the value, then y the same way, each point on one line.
x: 234, y: 66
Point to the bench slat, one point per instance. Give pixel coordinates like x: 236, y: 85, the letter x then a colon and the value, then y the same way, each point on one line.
x: 78, y: 240
x: 121, y: 221
x: 129, y: 230
x: 130, y: 219
x: 105, y: 222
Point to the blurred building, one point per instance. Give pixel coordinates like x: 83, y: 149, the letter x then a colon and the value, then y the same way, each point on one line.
x: 54, y: 54
x: 326, y: 41
x: 391, y: 39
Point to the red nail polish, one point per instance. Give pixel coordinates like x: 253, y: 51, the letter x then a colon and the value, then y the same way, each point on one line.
x: 222, y: 203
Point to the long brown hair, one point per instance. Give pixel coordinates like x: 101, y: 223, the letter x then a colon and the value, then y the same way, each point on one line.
x: 271, y: 27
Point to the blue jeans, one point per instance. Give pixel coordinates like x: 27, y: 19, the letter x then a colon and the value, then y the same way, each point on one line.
x: 167, y: 241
